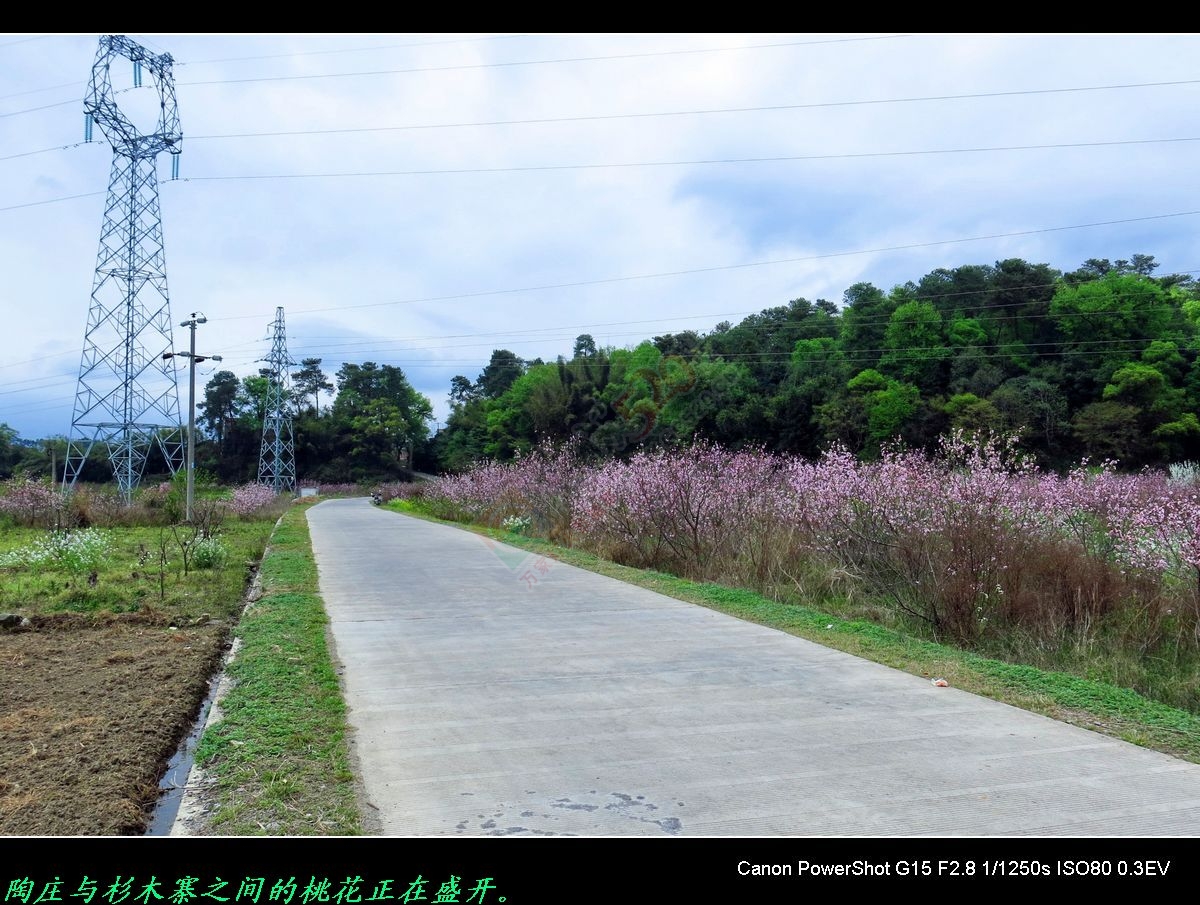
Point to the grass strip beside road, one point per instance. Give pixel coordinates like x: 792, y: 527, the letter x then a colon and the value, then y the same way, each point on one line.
x: 1099, y: 706
x: 279, y: 754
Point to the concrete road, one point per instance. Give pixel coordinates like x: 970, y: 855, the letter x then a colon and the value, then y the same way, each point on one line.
x: 494, y: 692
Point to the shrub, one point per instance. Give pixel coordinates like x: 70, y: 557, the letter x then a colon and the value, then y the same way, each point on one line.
x: 32, y: 503
x: 516, y: 524
x: 250, y: 499
x: 1184, y: 472
x: 89, y: 506
x: 208, y: 553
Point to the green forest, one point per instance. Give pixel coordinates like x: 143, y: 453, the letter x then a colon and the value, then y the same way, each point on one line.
x: 1100, y: 362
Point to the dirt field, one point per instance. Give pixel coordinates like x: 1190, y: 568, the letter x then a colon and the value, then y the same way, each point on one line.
x: 90, y: 710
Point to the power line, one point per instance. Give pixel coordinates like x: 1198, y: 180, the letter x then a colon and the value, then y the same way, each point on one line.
x: 13, y: 207
x: 767, y: 327
x: 652, y: 114
x: 766, y: 355
x: 869, y: 356
x: 514, y: 63
x: 725, y: 267
x: 683, y: 163
x: 429, y: 69
x: 328, y: 350
x: 4, y: 97
x: 29, y: 361
x: 666, y: 113
x: 547, y: 333
x: 530, y: 330
x: 36, y: 407
x: 770, y: 327
x: 1065, y: 353
x: 694, y: 317
x: 51, y: 106
x: 1014, y: 348
x: 337, y: 350
x: 314, y: 53
x: 46, y: 151
x: 691, y: 317
x: 36, y: 109
x: 23, y: 41
x: 43, y: 381
x: 652, y: 163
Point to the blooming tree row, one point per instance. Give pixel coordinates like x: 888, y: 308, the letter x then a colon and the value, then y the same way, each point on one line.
x: 971, y: 538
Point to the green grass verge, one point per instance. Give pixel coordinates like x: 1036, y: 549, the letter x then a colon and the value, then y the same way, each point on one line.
x: 279, y: 753
x: 1094, y: 705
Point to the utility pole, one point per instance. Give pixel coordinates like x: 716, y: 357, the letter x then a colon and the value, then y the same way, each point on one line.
x: 191, y: 323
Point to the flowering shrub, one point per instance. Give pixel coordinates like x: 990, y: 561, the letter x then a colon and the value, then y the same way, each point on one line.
x: 679, y: 511
x: 516, y: 524
x: 208, y: 553
x: 32, y: 503
x: 543, y: 484
x: 154, y: 497
x: 249, y: 499
x: 77, y: 552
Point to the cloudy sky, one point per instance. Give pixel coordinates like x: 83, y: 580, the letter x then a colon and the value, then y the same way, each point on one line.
x: 420, y: 200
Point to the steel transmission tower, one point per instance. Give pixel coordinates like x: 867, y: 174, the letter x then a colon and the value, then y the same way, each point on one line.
x: 277, y: 461
x: 127, y: 398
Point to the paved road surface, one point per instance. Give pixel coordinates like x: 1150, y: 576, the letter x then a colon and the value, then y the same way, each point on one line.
x: 491, y: 692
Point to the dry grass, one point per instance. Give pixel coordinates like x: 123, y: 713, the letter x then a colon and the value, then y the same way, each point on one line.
x: 25, y: 717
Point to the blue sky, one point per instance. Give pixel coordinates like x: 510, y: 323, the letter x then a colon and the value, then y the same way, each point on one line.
x: 419, y: 270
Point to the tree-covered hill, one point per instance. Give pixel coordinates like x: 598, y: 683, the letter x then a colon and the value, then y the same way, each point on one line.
x: 1098, y: 362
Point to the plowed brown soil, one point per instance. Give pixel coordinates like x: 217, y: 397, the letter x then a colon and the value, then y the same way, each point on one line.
x: 90, y: 711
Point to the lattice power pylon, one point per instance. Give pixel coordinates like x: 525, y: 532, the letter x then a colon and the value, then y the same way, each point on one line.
x: 277, y: 461
x: 127, y: 398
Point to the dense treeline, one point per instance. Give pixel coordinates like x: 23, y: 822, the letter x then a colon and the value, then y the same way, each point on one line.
x: 369, y: 432
x: 37, y: 458
x: 372, y: 430
x: 1099, y: 362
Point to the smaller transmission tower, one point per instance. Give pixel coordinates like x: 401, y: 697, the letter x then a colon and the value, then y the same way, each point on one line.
x: 277, y: 461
